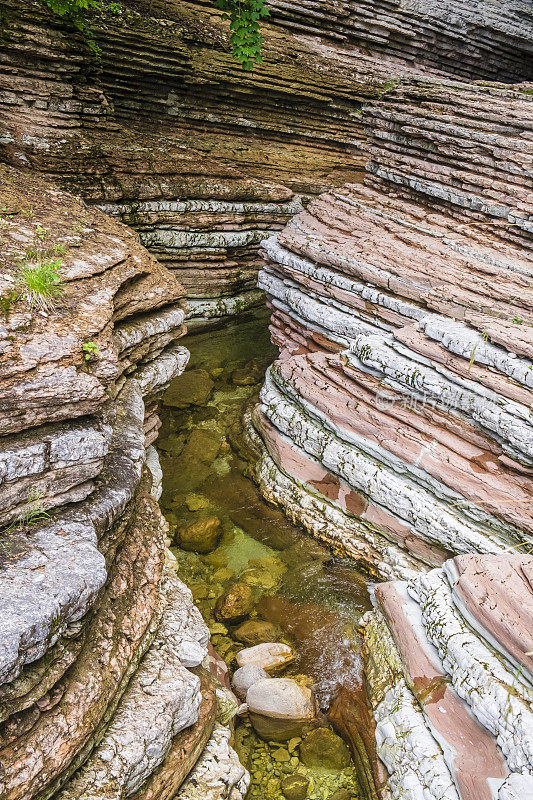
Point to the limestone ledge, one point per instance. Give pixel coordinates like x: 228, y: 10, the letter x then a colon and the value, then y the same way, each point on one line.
x: 207, y: 312
x: 199, y: 240
x: 420, y: 503
x: 472, y: 740
x: 218, y: 775
x: 306, y: 506
x: 162, y: 699
x: 497, y: 696
x: 96, y: 639
x: 58, y: 569
x: 402, y: 391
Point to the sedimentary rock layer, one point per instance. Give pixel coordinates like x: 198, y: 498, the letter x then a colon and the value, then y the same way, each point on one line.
x: 453, y: 714
x: 97, y: 636
x: 165, y: 131
x: 414, y: 421
x: 396, y: 424
x: 143, y: 133
x: 458, y: 38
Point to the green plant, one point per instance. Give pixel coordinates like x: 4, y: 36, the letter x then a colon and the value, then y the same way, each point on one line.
x: 32, y: 512
x: 243, y: 16
x: 78, y: 11
x: 39, y: 283
x: 90, y: 351
x: 485, y: 337
x: 245, y: 36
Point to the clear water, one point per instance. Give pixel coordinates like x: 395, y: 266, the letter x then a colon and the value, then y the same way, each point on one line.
x: 314, y: 599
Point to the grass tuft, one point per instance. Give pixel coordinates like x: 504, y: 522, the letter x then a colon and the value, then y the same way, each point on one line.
x: 40, y: 284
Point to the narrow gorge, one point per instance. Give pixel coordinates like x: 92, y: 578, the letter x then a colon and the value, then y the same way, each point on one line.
x: 266, y: 360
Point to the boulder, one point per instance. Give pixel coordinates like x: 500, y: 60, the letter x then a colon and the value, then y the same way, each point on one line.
x: 323, y: 748
x: 200, y: 536
x: 245, y: 377
x: 295, y: 787
x: 256, y: 631
x: 192, y: 388
x: 245, y: 677
x: 235, y: 604
x: 280, y: 708
x: 273, y: 657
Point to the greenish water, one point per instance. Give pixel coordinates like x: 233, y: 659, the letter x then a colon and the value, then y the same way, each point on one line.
x: 314, y: 599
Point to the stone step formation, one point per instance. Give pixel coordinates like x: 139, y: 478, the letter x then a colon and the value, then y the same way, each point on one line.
x: 396, y: 424
x: 166, y: 132
x: 98, y: 636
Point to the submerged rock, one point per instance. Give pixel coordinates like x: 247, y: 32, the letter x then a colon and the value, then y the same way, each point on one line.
x: 192, y: 388
x: 295, y: 787
x: 235, y: 604
x: 273, y: 657
x: 280, y: 708
x: 202, y: 445
x: 256, y: 631
x: 323, y: 748
x: 246, y: 376
x: 200, y: 536
x: 340, y: 794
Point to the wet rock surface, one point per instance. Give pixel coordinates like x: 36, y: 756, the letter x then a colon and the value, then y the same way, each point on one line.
x: 200, y: 536
x: 235, y: 604
x: 264, y: 553
x: 324, y: 748
x: 280, y: 708
x: 244, y: 677
x: 273, y: 657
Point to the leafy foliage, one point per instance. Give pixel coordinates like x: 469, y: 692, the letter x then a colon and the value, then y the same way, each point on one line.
x: 245, y: 37
x: 32, y: 512
x: 90, y: 351
x: 77, y: 11
x: 243, y: 16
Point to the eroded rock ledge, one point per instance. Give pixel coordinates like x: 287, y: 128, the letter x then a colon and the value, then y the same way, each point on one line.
x: 97, y: 636
x: 167, y: 133
x: 396, y: 424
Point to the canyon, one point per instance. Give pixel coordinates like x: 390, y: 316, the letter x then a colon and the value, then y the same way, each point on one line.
x: 371, y: 182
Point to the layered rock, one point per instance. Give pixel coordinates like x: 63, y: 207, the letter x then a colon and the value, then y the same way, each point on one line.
x: 399, y: 410
x: 457, y: 38
x: 396, y: 424
x: 449, y: 677
x: 97, y: 636
x: 166, y: 132
x: 142, y: 133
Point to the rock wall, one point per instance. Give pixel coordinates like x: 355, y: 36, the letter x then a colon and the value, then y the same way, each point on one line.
x: 102, y: 692
x: 460, y: 38
x: 396, y: 423
x: 401, y: 399
x: 166, y: 132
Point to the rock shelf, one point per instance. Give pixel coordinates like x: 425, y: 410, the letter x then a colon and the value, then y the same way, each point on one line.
x: 97, y: 636
x: 396, y: 423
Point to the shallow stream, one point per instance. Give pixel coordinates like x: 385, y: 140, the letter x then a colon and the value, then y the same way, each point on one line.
x: 303, y: 596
